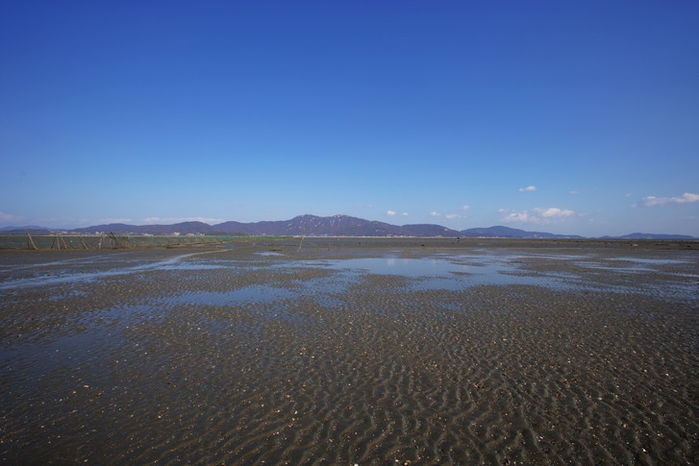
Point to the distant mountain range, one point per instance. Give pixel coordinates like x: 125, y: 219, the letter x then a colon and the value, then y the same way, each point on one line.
x: 311, y: 225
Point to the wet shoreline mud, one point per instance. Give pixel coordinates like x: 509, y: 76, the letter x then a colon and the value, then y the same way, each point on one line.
x: 352, y: 350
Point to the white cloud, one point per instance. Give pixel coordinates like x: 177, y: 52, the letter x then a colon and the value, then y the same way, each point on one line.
x: 404, y: 214
x: 627, y: 194
x: 553, y: 212
x: 168, y: 220
x: 537, y: 215
x: 390, y: 213
x: 465, y: 207
x: 652, y: 201
x: 113, y: 220
x: 575, y: 192
x: 452, y: 216
x: 517, y: 217
x: 528, y: 188
x: 435, y: 214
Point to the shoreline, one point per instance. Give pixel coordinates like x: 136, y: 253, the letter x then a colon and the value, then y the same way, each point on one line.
x: 409, y: 242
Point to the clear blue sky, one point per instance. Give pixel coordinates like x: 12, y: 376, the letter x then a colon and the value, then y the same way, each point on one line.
x: 403, y: 112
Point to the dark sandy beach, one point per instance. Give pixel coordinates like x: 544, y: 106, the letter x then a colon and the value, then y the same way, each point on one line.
x: 352, y: 351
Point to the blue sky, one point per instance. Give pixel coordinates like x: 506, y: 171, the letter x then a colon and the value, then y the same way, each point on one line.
x: 569, y: 117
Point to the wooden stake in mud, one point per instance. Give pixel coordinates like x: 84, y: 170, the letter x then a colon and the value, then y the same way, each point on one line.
x: 30, y: 242
x: 58, y: 240
x: 305, y: 229
x: 82, y: 241
x: 55, y: 243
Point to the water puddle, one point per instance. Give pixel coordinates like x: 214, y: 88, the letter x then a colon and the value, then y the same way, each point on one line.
x: 495, y: 277
x: 644, y: 260
x: 327, y: 291
x: 628, y: 269
x: 439, y: 271
x: 68, y: 277
x: 633, y: 265
x: 461, y: 272
x: 406, y: 267
x: 447, y: 272
x: 256, y: 294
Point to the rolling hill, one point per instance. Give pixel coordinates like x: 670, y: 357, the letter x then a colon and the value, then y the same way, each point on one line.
x: 312, y: 225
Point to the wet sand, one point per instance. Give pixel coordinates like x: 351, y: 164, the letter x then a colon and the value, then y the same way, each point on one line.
x: 352, y: 351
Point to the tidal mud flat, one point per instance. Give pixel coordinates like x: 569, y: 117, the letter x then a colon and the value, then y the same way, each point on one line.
x: 352, y: 351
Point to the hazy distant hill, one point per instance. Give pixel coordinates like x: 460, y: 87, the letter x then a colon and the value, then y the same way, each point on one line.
x: 337, y: 225
x: 312, y: 225
x: 507, y: 232
x: 122, y: 228
x: 30, y: 228
x: 649, y: 236
x: 344, y: 225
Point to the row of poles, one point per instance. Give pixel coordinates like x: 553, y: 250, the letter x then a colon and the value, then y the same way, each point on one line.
x: 58, y: 242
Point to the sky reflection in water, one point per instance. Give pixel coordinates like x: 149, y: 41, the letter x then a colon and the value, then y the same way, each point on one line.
x: 440, y: 271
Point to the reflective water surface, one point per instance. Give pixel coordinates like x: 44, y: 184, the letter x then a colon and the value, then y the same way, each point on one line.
x: 671, y: 276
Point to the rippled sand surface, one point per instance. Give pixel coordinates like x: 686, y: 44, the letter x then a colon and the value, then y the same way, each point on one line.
x: 351, y: 351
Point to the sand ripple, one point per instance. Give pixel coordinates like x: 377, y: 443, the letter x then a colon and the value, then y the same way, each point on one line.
x: 153, y: 367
